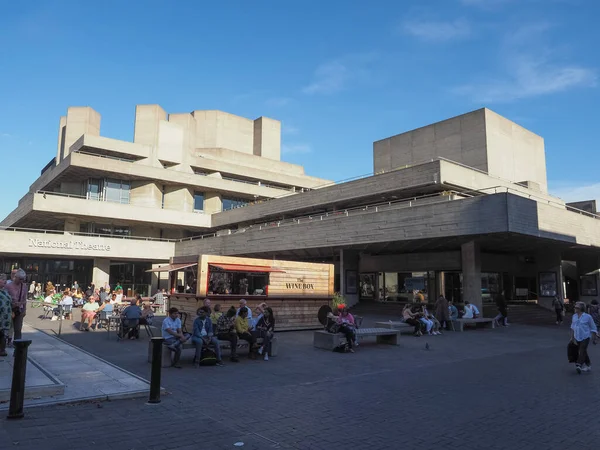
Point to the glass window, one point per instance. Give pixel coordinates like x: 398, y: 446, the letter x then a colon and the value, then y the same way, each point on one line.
x: 230, y: 203
x: 94, y: 189
x: 490, y: 286
x: 121, y: 231
x: 102, y: 228
x: 117, y: 191
x: 237, y: 283
x: 198, y: 201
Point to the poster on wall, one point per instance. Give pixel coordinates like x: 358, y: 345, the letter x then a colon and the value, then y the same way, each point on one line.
x: 588, y: 285
x: 548, y: 284
x: 367, y: 285
x: 351, y: 282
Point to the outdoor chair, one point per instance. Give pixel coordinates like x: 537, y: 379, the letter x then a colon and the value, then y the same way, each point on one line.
x: 184, y: 317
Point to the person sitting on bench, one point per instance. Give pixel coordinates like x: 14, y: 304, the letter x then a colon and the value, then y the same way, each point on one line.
x: 131, y: 321
x: 242, y: 328
x: 174, y: 337
x: 203, y: 335
x: 412, y: 319
x: 264, y: 329
x: 471, y: 311
x: 347, y: 326
x: 226, y: 331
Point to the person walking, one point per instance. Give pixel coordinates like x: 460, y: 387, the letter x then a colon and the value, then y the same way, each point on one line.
x: 582, y: 328
x: 441, y: 311
x: 559, y: 308
x: 18, y: 293
x: 502, y: 310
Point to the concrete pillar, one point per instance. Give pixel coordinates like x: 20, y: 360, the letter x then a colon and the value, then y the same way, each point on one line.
x: 147, y: 119
x: 267, y: 138
x: 62, y: 129
x: 212, y: 203
x: 72, y: 225
x: 101, y: 272
x: 179, y: 199
x: 145, y: 193
x: 80, y: 120
x: 349, y: 260
x: 471, y: 272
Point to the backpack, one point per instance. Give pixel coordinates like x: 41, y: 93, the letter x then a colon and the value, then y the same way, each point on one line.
x: 342, y: 348
x: 208, y: 358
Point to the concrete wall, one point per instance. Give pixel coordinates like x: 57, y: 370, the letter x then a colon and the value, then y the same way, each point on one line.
x: 147, y: 119
x: 80, y: 120
x: 514, y: 153
x: 20, y: 243
x: 145, y: 193
x: 461, y: 139
x: 179, y: 199
x: 267, y: 138
x: 101, y: 271
x: 220, y: 129
x: 411, y: 262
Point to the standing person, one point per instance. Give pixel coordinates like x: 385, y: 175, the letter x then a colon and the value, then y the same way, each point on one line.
x: 5, y: 314
x: 582, y: 328
x: 502, y: 310
x: 159, y: 299
x: 31, y: 290
x: 75, y: 286
x: 226, y: 332
x: 18, y: 293
x: 203, y: 335
x: 38, y: 290
x: 559, y: 307
x: 441, y: 311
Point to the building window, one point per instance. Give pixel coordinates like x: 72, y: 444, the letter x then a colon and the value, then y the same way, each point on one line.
x: 102, y: 228
x: 198, y: 201
x: 230, y: 203
x: 117, y: 191
x: 94, y: 189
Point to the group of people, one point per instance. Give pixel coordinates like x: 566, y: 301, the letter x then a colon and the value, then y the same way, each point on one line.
x: 426, y: 322
x: 134, y: 315
x: 212, y: 326
x: 13, y: 307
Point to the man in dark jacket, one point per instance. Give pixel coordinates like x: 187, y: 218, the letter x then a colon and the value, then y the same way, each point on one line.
x: 502, y: 310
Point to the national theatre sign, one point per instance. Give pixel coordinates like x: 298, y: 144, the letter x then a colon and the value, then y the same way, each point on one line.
x: 68, y: 245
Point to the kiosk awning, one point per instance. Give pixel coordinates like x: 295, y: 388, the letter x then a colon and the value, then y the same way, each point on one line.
x: 172, y: 267
x: 245, y: 268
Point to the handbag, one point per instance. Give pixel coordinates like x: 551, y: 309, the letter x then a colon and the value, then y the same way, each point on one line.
x: 572, y: 352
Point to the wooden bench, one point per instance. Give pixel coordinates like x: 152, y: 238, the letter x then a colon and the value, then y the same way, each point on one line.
x: 328, y: 341
x: 224, y: 345
x: 403, y: 327
x: 459, y: 324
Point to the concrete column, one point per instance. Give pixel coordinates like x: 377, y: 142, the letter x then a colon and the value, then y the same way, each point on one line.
x: 179, y: 199
x: 212, y: 203
x: 147, y: 194
x: 62, y: 129
x: 147, y: 119
x: 80, y: 120
x: 471, y: 272
x: 267, y: 138
x: 349, y: 261
x: 101, y: 272
x: 72, y: 225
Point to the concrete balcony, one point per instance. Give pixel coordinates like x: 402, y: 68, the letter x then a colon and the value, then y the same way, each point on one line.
x: 49, y: 205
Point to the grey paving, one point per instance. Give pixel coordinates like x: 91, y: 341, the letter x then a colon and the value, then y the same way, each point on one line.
x: 508, y: 388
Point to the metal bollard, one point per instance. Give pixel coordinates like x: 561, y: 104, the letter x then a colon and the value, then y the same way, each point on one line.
x: 157, y: 349
x: 17, y: 390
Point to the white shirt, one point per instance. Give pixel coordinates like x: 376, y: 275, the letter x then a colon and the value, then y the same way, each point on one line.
x: 48, y: 299
x: 119, y: 298
x: 583, y: 327
x: 170, y: 324
x: 66, y: 301
x: 470, y: 310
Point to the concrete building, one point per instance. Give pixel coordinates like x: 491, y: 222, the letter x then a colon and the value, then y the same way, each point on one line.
x: 179, y: 170
x: 459, y: 208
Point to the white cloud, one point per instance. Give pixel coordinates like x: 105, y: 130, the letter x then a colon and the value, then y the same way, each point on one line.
x: 437, y: 31
x: 289, y: 129
x: 289, y: 149
x: 278, y: 102
x: 5, y: 135
x: 574, y: 193
x: 335, y: 75
x: 527, y: 69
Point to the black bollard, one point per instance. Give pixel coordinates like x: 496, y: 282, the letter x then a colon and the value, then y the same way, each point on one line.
x: 17, y: 390
x: 157, y: 348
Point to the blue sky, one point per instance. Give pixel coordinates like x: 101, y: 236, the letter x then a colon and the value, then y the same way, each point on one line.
x: 338, y: 74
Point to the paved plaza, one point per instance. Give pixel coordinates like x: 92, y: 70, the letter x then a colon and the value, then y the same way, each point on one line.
x: 508, y: 388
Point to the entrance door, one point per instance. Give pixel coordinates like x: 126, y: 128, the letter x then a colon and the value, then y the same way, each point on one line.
x: 453, y: 286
